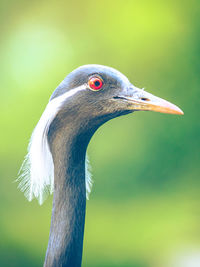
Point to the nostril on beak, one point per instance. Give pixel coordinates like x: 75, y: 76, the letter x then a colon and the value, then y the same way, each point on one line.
x: 145, y: 99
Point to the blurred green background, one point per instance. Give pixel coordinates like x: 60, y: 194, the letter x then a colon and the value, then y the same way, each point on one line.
x: 144, y: 209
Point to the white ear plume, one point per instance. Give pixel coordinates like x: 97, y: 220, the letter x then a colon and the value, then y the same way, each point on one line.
x: 36, y: 175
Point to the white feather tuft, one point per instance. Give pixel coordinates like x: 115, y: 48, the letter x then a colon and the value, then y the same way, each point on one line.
x: 36, y: 175
x: 88, y: 177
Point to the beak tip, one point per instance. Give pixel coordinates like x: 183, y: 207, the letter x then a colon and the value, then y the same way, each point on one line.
x: 179, y: 111
x: 167, y: 107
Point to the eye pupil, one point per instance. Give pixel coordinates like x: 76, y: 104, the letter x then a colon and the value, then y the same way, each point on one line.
x: 95, y: 83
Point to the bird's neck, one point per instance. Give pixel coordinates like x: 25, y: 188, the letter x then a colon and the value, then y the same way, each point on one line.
x: 69, y: 202
x: 68, y: 137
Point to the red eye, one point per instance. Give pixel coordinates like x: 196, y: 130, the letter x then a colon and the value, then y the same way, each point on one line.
x: 95, y: 83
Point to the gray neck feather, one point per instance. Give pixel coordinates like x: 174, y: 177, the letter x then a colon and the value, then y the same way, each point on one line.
x: 68, y: 138
x: 68, y: 215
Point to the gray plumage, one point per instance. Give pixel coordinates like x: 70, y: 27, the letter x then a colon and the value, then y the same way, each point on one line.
x: 84, y: 109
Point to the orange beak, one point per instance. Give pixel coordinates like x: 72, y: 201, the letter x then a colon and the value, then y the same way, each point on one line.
x: 142, y: 100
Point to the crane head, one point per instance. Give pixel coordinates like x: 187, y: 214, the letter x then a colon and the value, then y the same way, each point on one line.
x: 88, y: 97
